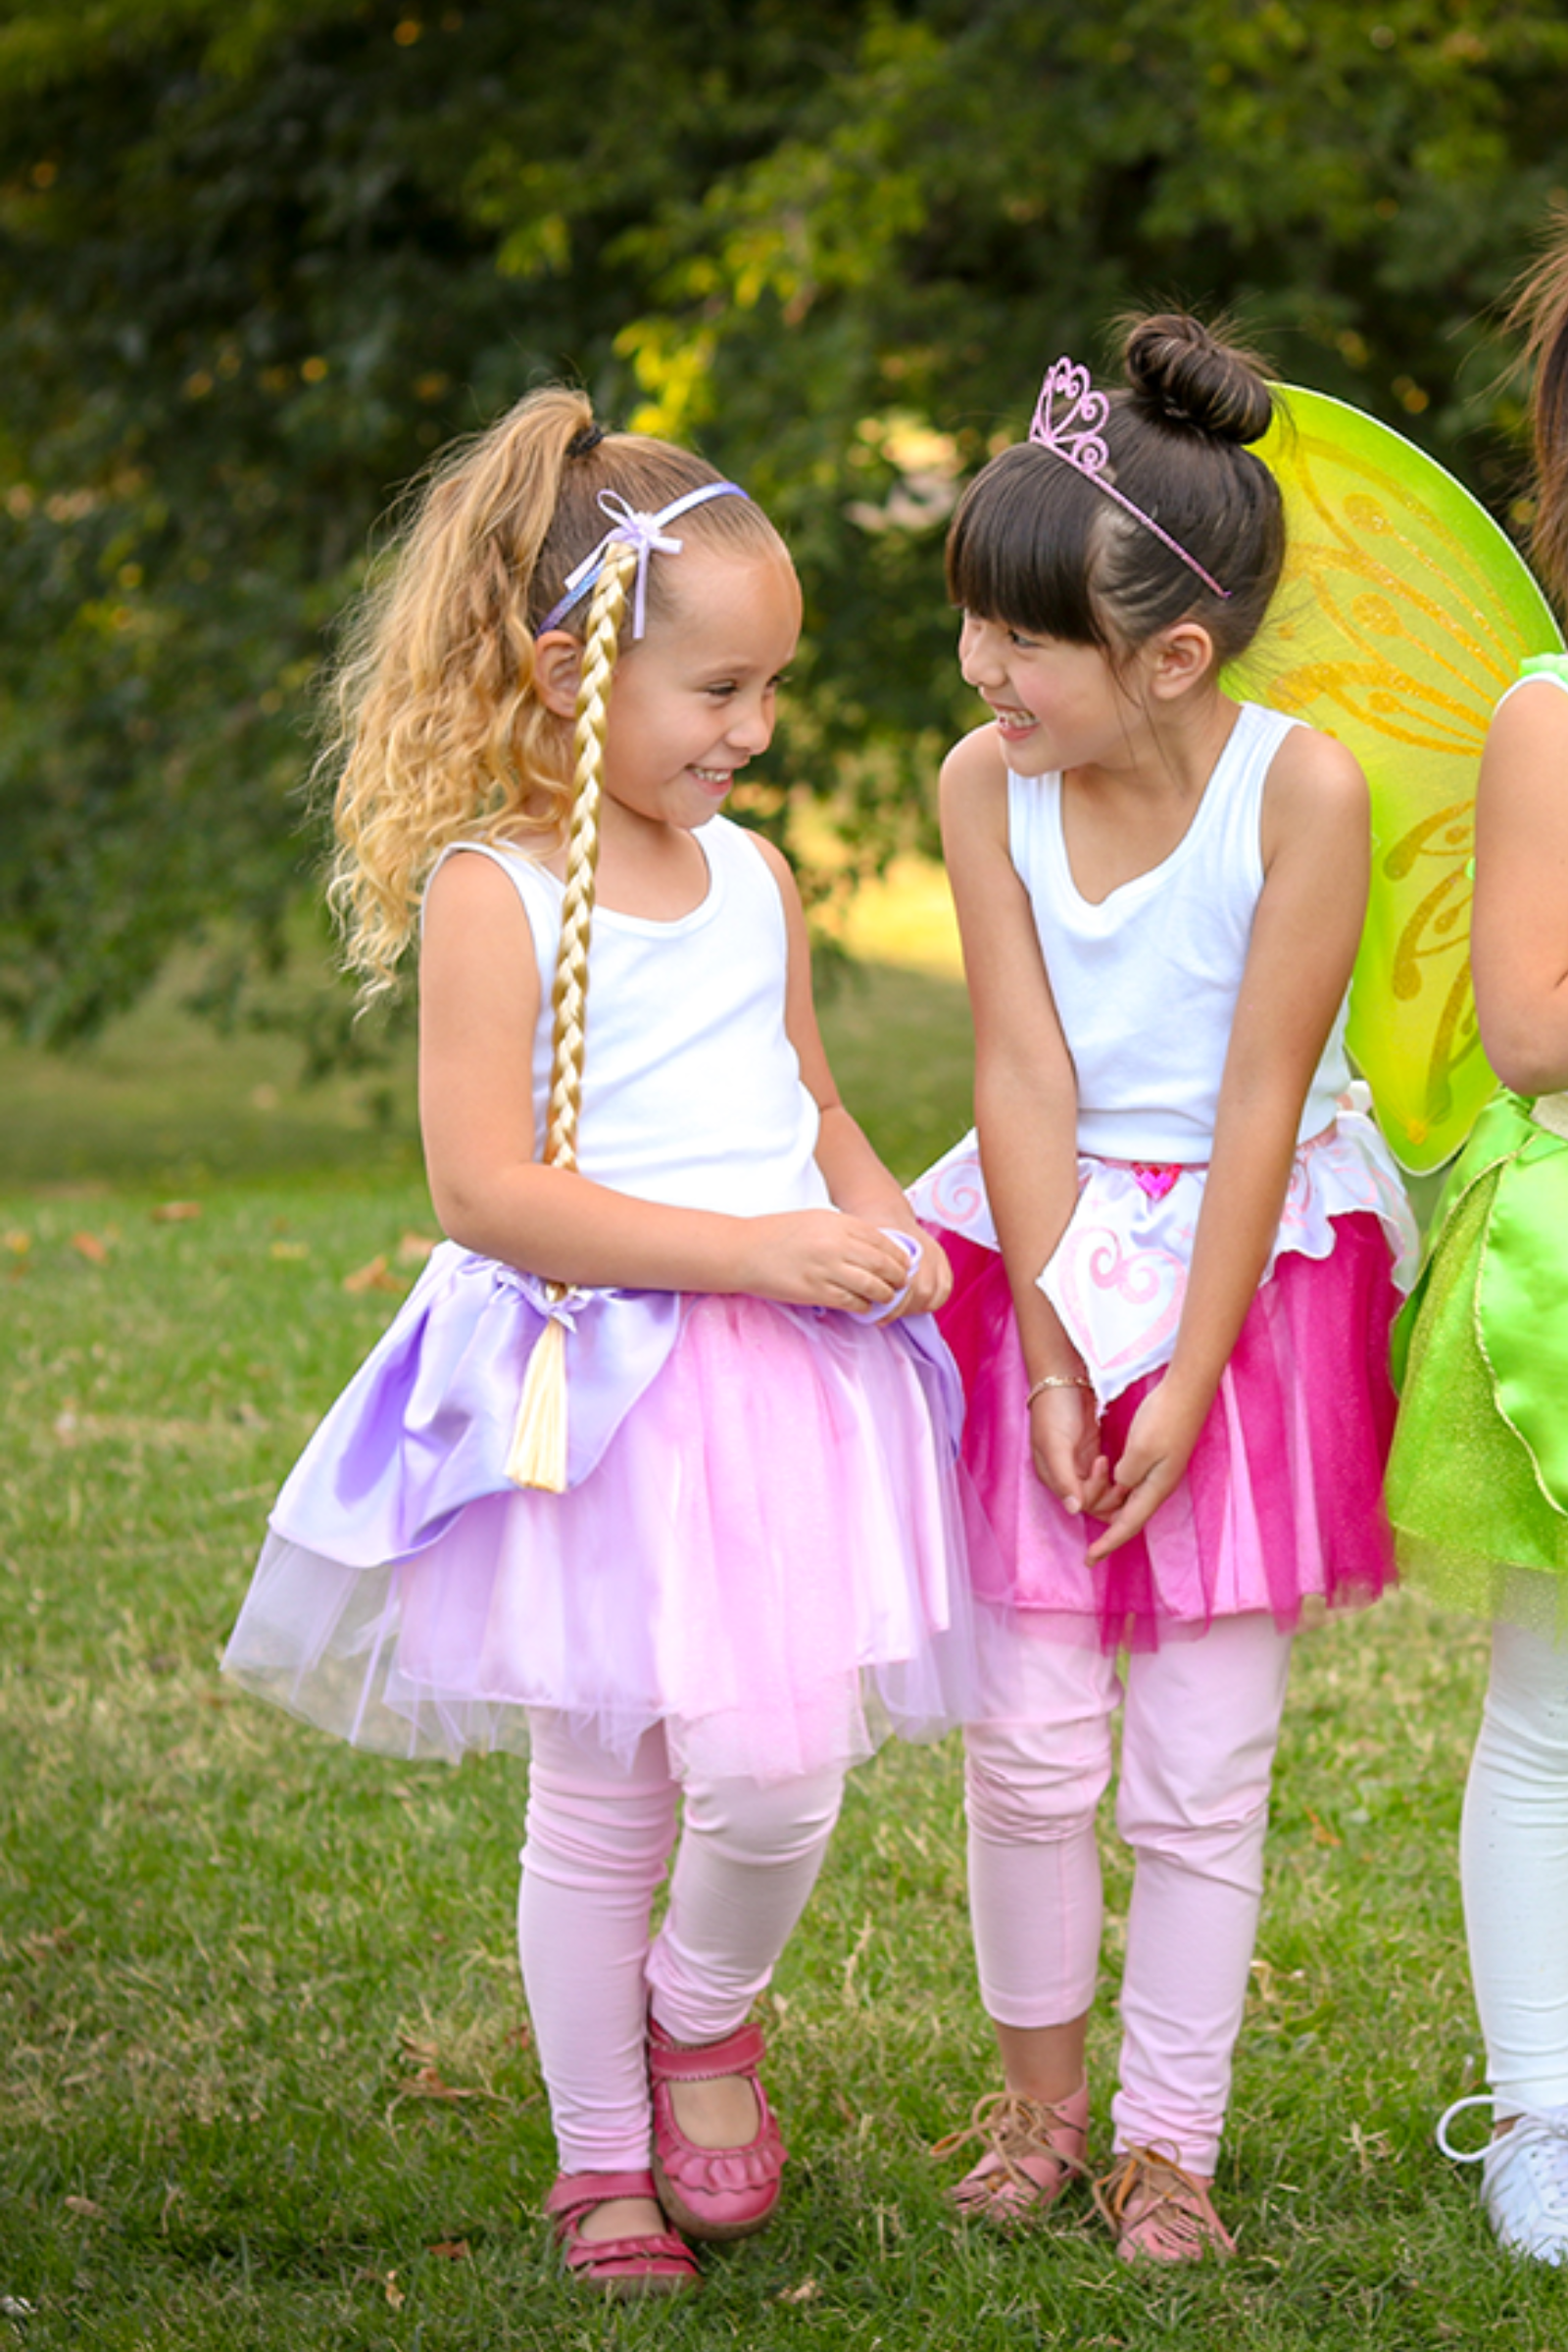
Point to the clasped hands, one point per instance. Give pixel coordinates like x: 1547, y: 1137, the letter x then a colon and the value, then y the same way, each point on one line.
x: 1065, y: 1437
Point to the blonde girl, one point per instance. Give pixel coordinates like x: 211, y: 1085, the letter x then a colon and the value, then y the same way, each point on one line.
x: 655, y: 1467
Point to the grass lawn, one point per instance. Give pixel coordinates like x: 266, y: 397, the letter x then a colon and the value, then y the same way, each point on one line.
x: 267, y: 2073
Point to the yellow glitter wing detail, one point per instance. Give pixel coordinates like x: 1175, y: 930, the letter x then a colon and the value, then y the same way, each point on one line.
x: 1402, y: 615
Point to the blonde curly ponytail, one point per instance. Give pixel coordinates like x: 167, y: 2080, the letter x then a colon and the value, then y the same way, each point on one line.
x: 437, y: 730
x: 438, y: 733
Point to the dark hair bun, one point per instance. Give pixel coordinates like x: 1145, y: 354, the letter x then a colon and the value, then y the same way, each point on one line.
x: 1179, y: 372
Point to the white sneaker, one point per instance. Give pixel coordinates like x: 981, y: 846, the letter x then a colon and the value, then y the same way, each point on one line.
x: 1524, y: 2177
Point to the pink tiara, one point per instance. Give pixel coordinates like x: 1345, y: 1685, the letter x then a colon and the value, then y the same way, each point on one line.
x: 1072, y: 433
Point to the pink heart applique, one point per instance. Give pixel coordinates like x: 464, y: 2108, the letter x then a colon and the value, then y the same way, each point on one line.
x: 1156, y: 1182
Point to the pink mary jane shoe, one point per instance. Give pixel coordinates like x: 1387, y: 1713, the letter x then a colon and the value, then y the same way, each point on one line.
x: 712, y: 2192
x: 655, y: 2262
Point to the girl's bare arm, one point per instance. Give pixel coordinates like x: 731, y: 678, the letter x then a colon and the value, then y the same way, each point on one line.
x: 856, y: 1178
x: 1026, y: 1097
x: 1316, y: 852
x: 1519, y: 929
x: 478, y: 1005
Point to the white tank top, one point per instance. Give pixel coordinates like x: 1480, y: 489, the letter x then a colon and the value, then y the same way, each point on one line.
x: 1146, y: 982
x: 692, y: 1091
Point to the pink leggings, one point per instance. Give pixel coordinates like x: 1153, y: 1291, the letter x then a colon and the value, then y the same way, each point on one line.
x: 600, y: 1837
x: 1202, y: 1721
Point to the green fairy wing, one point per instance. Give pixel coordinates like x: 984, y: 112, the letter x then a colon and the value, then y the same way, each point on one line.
x: 1403, y: 614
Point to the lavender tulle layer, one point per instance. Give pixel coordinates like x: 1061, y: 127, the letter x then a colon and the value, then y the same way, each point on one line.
x: 1281, y: 1506
x: 762, y: 1546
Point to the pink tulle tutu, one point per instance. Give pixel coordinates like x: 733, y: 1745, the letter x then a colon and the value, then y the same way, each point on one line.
x: 768, y: 1555
x: 1282, y: 1501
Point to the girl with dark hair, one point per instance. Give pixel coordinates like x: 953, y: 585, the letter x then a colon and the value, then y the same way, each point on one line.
x: 1171, y: 1239
x: 1478, y: 1482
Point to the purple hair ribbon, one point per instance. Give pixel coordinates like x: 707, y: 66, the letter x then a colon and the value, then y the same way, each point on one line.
x: 647, y: 533
x: 1075, y: 437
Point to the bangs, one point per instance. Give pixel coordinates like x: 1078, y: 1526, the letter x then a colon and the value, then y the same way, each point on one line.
x: 1020, y: 550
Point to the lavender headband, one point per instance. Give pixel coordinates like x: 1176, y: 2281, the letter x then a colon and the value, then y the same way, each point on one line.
x: 629, y: 528
x: 1073, y: 434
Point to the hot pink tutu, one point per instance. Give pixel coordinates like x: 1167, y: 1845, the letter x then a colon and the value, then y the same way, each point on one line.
x: 1282, y: 1499
x: 766, y: 1555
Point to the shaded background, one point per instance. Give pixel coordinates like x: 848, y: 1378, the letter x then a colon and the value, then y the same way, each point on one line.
x: 259, y: 258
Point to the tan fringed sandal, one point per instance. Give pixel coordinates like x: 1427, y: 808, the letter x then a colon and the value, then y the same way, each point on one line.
x: 1033, y: 2149
x: 1159, y: 2212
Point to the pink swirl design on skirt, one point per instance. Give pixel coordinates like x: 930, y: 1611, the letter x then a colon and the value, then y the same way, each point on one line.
x: 1139, y: 1278
x: 958, y: 1194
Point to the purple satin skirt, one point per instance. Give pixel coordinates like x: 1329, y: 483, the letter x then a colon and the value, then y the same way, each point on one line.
x: 762, y: 1546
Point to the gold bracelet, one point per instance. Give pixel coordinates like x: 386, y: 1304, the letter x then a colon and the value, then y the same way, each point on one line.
x: 1057, y: 1380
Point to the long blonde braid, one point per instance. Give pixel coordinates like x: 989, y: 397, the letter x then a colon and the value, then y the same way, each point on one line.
x: 538, y: 1454
x: 568, y: 998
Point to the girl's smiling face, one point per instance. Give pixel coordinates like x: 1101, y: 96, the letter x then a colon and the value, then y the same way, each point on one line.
x: 1056, y: 705
x: 693, y: 700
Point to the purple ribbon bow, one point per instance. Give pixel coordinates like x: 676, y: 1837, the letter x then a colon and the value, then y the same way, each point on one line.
x: 629, y: 527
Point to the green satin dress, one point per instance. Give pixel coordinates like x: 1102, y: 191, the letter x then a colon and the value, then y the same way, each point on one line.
x: 1478, y: 1479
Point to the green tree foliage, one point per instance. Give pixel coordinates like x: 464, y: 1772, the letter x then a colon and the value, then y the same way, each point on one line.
x: 258, y: 258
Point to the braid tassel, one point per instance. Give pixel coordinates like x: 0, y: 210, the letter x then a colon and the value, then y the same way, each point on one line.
x: 538, y: 1455
x: 538, y: 1452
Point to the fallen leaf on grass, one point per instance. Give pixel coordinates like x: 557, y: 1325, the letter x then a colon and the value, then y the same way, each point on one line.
x: 1371, y: 2148
x: 451, y: 2249
x: 89, y: 1247
x: 90, y: 2211
x: 807, y: 2292
x: 414, y: 1247
x: 373, y: 1277
x: 394, y: 2293
x: 427, y: 2083
x: 283, y: 1250
x: 428, y: 2080
x: 17, y: 1241
x: 1322, y: 1834
x: 176, y: 1213
x: 49, y: 1939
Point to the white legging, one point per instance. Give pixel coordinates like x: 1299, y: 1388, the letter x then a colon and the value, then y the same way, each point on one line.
x: 1513, y: 1862
x: 599, y: 1837
x: 1199, y: 1729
